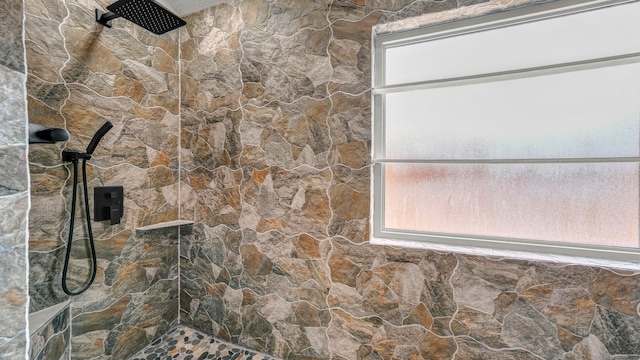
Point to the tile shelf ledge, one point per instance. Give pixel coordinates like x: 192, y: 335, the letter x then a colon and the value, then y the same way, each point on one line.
x: 164, y: 225
x: 39, y: 319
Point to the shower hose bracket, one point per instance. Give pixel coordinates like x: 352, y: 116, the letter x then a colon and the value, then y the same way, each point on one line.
x: 74, y: 156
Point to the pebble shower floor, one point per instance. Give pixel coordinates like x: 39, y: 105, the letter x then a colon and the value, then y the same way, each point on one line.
x: 187, y: 344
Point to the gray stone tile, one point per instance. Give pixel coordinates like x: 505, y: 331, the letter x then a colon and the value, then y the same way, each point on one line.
x: 13, y: 178
x: 13, y: 110
x: 11, y: 46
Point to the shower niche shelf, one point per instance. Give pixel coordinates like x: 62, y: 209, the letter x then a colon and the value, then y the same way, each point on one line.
x: 164, y: 225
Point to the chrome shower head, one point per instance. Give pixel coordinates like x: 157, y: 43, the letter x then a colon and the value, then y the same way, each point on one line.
x: 144, y: 13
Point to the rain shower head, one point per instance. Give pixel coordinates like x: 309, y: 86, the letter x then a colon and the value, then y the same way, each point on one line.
x: 145, y: 13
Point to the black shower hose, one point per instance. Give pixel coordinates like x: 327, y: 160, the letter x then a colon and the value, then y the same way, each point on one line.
x: 71, y: 225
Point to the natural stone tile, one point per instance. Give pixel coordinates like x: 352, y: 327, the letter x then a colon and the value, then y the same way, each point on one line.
x: 210, y: 140
x: 44, y: 9
x: 405, y: 280
x: 13, y: 221
x: 410, y: 352
x: 75, y: 71
x: 378, y: 298
x: 13, y: 297
x: 347, y: 334
x: 13, y: 108
x: 616, y: 292
x: 470, y: 349
x: 420, y: 315
x: 254, y: 261
x: 52, y: 340
x: 289, y: 135
x: 349, y: 203
x: 100, y: 320
x: 620, y: 333
x: 55, y: 348
x: 270, y: 15
x: 13, y: 289
x: 566, y: 276
x: 290, y: 67
x: 128, y: 87
x: 201, y: 305
x: 567, y: 339
x: 436, y: 347
x: 418, y: 8
x: 348, y: 119
x: 438, y: 293
x: 504, y: 303
x: 47, y: 203
x: 442, y: 326
x: 216, y: 205
x: 45, y: 270
x: 504, y: 275
x: 307, y: 247
x: 474, y: 292
x: 14, y: 347
x: 11, y: 45
x: 88, y: 346
x: 87, y: 48
x: 52, y: 95
x: 257, y: 331
x: 482, y: 327
x: 538, y: 296
x: 41, y: 63
x: 572, y: 309
x: 302, y: 208
x: 525, y: 328
x: 346, y: 298
x: 125, y: 341
x: 587, y: 349
x: 401, y: 335
x: 13, y: 179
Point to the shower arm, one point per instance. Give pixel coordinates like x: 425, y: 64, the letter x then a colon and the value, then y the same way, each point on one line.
x: 105, y: 18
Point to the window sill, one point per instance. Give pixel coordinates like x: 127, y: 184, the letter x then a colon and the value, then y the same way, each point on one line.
x: 508, y: 254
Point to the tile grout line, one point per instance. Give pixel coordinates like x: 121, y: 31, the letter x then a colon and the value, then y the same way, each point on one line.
x: 179, y: 153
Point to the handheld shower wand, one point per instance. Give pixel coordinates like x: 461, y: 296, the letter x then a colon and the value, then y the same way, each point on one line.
x: 73, y: 157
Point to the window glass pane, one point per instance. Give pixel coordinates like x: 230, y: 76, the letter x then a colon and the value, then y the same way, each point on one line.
x: 588, y: 113
x: 577, y: 203
x: 587, y: 35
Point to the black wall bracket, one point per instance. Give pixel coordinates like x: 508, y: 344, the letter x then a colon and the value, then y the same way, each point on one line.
x: 105, y: 18
x: 108, y: 203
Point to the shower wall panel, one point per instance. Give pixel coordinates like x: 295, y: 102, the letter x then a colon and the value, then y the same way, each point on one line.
x: 275, y: 157
x: 80, y: 75
x: 14, y: 183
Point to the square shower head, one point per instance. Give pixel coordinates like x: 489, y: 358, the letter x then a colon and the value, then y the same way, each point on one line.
x: 148, y: 14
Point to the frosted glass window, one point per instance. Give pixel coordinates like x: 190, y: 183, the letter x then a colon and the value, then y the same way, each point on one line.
x: 517, y: 132
x: 589, y: 113
x: 606, y: 32
x: 577, y: 203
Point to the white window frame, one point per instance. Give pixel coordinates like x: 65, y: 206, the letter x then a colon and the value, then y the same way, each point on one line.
x: 382, y: 41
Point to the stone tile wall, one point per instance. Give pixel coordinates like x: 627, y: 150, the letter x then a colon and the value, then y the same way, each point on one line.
x: 51, y: 342
x: 80, y: 75
x: 276, y: 172
x: 14, y: 185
